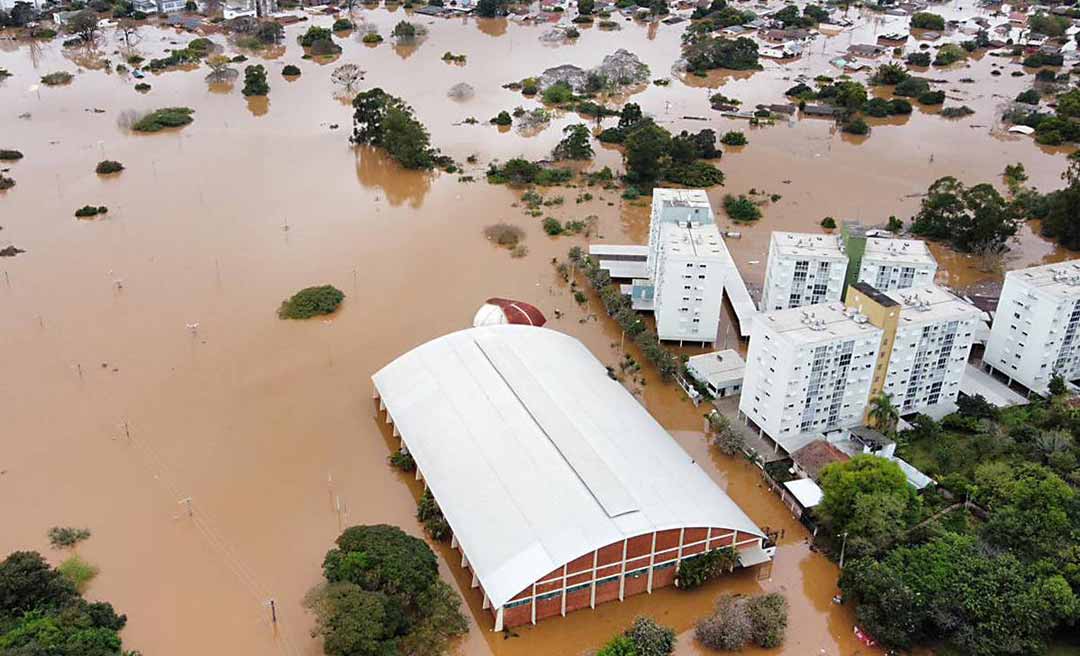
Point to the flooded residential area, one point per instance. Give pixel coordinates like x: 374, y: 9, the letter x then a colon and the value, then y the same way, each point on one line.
x: 153, y: 393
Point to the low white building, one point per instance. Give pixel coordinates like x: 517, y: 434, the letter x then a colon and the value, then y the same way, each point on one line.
x: 808, y: 371
x: 238, y: 9
x: 803, y: 269
x: 897, y: 264
x: 931, y: 347
x: 721, y: 372
x: 1035, y: 327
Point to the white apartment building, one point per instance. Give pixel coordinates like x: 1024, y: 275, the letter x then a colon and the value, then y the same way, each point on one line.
x: 803, y: 269
x: 897, y: 264
x: 1035, y: 327
x: 689, y: 281
x: 808, y: 371
x: 930, y: 348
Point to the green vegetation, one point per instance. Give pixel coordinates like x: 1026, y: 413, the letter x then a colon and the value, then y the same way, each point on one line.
x: 107, y: 166
x: 618, y: 307
x: 912, y: 87
x: 386, y: 122
x: 879, y: 107
x: 708, y: 52
x: 1047, y: 24
x: 384, y: 596
x: 1060, y: 211
x: 311, y: 302
x: 342, y: 25
x: 957, y: 112
x: 372, y: 37
x: 932, y: 97
x: 652, y: 154
x: 552, y: 227
x: 452, y: 58
x: 88, y: 211
x: 644, y: 638
x: 8, y: 155
x: 734, y: 138
x: 918, y: 59
x: 167, y: 117
x: 56, y: 78
x: 694, y: 174
x: 576, y: 144
x: 503, y: 118
x: 950, y: 53
x: 698, y: 570
x: 828, y: 223
x: 522, y: 171
x: 255, y: 83
x: 67, y: 536
x: 42, y: 612
x: 973, y: 219
x: 738, y: 621
x: 430, y: 515
x: 290, y: 70
x: 406, y: 31
x: 741, y: 208
x: 889, y: 74
x: 810, y: 16
x: 925, y: 20
x: 403, y: 461
x: 558, y: 93
x: 78, y: 572
x: 319, y: 41
x: 1029, y: 97
x: 894, y: 225
x: 6, y: 182
x: 1044, y: 59
x: 142, y: 87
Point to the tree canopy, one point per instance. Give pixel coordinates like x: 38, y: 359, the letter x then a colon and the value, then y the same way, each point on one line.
x: 973, y: 219
x: 387, y: 122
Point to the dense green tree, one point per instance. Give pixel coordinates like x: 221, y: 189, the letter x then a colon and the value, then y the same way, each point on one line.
x: 890, y: 73
x: 585, y: 7
x: 387, y: 122
x: 255, y: 83
x: 1062, y: 221
x: 843, y: 483
x: 883, y: 413
x: 925, y: 20
x: 356, y: 622
x: 27, y: 583
x: 577, y: 144
x: 647, y: 147
x: 718, y: 52
x: 383, y: 558
x: 650, y: 638
x: 974, y: 219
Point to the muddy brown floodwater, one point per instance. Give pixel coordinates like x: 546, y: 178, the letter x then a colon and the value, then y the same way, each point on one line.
x: 143, y: 363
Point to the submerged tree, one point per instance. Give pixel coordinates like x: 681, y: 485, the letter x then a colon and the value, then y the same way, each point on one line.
x: 576, y: 144
x: 346, y: 76
x: 387, y: 122
x: 974, y: 219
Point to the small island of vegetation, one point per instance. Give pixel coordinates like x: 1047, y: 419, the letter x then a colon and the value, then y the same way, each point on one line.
x: 311, y: 302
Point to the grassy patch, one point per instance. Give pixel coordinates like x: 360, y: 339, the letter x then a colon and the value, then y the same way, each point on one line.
x: 78, y: 571
x: 167, y: 117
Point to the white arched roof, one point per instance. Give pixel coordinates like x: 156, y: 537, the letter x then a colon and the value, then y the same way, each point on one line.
x: 536, y: 456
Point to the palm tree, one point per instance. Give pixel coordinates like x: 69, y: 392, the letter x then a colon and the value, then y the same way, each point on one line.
x: 883, y: 414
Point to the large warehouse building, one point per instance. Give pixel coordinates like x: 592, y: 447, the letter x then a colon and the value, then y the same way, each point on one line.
x: 561, y: 490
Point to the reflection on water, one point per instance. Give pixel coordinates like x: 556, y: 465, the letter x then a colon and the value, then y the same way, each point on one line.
x: 258, y: 105
x: 375, y: 170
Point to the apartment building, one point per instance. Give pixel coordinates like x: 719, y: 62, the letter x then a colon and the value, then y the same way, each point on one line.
x: 896, y: 264
x: 803, y: 269
x: 1035, y: 328
x: 808, y: 371
x: 927, y: 335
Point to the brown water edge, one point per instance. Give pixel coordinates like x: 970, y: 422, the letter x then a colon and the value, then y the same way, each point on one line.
x: 264, y: 423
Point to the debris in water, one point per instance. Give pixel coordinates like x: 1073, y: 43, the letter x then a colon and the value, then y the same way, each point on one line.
x: 10, y: 251
x: 461, y: 91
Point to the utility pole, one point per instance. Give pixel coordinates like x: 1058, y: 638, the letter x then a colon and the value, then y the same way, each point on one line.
x: 187, y: 501
x: 273, y: 611
x: 843, y: 546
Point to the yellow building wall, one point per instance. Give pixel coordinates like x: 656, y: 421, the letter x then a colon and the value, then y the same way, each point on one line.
x: 885, y: 317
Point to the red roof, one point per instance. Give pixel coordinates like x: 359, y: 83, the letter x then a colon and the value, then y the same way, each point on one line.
x: 519, y: 312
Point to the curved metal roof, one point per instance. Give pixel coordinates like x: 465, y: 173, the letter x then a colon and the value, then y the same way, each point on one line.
x: 536, y: 456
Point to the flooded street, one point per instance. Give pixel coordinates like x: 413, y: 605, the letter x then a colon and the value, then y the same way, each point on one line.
x: 144, y: 364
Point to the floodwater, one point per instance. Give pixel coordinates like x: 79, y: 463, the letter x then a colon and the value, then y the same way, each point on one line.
x: 143, y: 364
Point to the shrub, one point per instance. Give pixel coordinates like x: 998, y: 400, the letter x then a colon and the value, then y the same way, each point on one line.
x: 106, y: 166
x: 918, y: 58
x: 142, y: 87
x: 452, y: 58
x: 67, y: 536
x: 728, y: 628
x: 828, y: 223
x: 912, y: 87
x: 56, y: 78
x: 741, y: 208
x: 530, y: 86
x: 167, y: 117
x: 429, y: 513
x: 1029, y: 97
x: 290, y: 70
x: 650, y: 638
x: 6, y: 182
x: 402, y: 460
x: 768, y: 619
x: 78, y: 572
x: 504, y: 234
x: 734, y: 138
x: 87, y: 211
x: 932, y: 97
x: 552, y: 227
x: 558, y: 93
x: 7, y: 155
x: 950, y: 53
x: 313, y: 34
x: 502, y: 119
x: 372, y: 37
x: 899, y: 106
x: 255, y: 83
x: 310, y: 302
x: 856, y: 126
x: 342, y: 25
x: 694, y: 174
x: 957, y: 112
x: 925, y: 20
x: 877, y: 107
x: 698, y: 570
